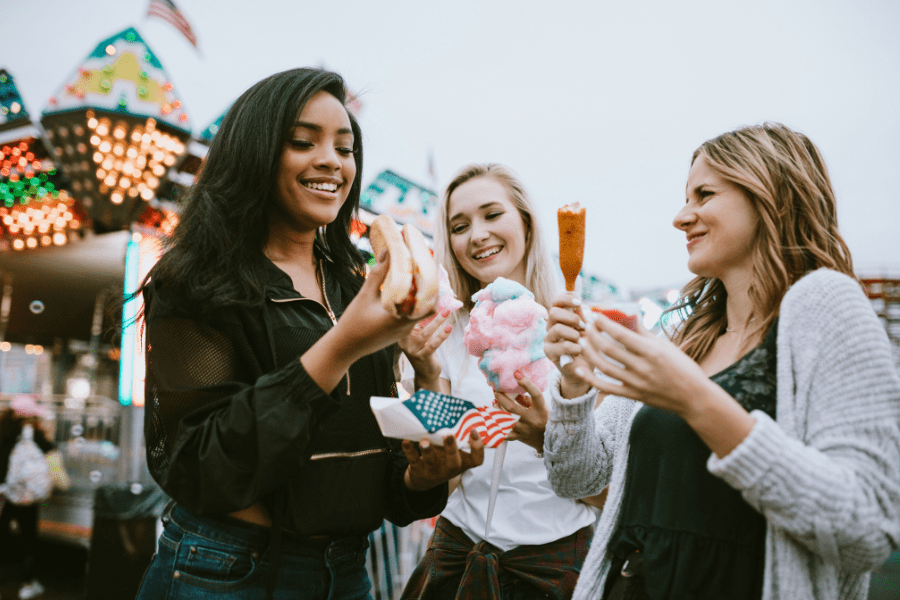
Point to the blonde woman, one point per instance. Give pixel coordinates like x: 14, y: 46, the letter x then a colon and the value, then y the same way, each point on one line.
x: 487, y: 228
x: 757, y: 455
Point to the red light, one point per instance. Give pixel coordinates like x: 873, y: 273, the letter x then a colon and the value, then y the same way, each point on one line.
x: 23, y: 146
x: 4, y: 171
x: 36, y: 165
x: 29, y: 156
x: 16, y: 152
x: 176, y: 104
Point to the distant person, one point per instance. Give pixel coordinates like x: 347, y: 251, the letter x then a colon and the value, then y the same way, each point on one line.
x: 757, y: 456
x: 487, y: 228
x: 19, y: 521
x: 264, y: 344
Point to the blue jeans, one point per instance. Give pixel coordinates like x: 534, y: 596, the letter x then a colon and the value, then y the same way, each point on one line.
x: 203, y: 558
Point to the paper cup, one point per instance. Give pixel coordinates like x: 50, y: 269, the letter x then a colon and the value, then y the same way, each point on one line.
x: 625, y: 313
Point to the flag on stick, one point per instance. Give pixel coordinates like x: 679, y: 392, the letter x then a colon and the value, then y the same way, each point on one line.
x: 167, y: 11
x: 434, y: 416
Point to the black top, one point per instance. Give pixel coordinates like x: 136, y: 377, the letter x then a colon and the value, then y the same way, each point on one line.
x: 699, y: 538
x: 233, y: 418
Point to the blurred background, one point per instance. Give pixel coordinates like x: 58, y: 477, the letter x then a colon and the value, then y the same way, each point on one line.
x: 107, y: 109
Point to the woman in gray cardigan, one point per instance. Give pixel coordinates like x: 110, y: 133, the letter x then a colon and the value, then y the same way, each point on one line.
x: 757, y: 454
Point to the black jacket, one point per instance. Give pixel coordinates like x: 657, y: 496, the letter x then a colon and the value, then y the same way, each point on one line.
x: 232, y: 417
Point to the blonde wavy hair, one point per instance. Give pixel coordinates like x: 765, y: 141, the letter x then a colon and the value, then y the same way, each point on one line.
x: 539, y: 277
x: 784, y: 176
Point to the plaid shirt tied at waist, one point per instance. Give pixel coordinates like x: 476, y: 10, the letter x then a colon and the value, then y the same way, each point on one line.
x: 452, y: 557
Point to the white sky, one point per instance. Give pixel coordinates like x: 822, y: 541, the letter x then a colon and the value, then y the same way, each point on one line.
x: 597, y: 102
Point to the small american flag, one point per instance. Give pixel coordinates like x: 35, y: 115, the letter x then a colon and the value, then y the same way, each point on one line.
x: 166, y: 10
x: 430, y: 415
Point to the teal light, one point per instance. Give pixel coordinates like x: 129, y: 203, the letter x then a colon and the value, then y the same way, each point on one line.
x: 129, y: 314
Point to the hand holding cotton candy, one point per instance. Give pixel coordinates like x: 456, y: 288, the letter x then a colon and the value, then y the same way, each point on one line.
x: 506, y: 331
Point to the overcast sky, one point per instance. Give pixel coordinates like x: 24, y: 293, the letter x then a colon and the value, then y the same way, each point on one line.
x: 597, y: 102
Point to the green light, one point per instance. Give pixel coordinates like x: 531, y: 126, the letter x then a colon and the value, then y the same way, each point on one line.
x: 130, y: 36
x: 105, y: 85
x: 43, y: 176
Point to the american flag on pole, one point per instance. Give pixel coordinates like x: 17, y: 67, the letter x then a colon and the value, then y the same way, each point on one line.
x: 434, y: 416
x: 166, y: 10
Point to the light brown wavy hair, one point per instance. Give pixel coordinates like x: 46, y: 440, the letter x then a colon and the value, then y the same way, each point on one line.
x: 784, y: 176
x: 539, y: 267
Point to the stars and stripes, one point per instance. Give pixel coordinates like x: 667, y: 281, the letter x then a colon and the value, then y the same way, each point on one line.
x: 166, y: 10
x: 438, y: 411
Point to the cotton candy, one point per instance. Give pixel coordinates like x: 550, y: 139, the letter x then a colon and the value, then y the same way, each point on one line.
x: 506, y: 332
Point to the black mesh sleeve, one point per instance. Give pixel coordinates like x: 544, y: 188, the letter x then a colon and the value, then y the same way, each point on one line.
x: 217, y: 440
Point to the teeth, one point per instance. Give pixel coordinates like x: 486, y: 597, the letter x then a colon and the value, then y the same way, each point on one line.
x: 487, y: 253
x: 325, y: 187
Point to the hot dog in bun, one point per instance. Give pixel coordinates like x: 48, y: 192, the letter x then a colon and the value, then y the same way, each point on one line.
x: 411, y: 285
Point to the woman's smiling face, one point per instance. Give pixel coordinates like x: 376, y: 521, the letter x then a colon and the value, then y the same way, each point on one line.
x: 487, y: 233
x: 317, y: 166
x: 720, y: 223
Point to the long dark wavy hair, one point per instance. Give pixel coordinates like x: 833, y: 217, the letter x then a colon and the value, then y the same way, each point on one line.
x: 214, y: 258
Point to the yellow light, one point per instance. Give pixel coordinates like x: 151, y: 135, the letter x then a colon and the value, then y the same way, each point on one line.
x: 135, y: 136
x: 110, y: 179
x: 107, y: 164
x: 17, y: 245
x: 128, y: 168
x: 110, y: 49
x: 6, y: 346
x: 116, y: 197
x: 105, y: 147
x: 92, y: 123
x: 103, y: 127
x: 158, y: 170
x: 46, y: 240
x: 119, y: 150
x: 60, y: 223
x: 44, y: 227
x: 146, y: 193
x: 132, y: 152
x: 101, y: 173
x: 59, y: 239
x: 124, y: 183
x: 145, y: 138
x: 169, y: 160
x: 119, y: 133
x: 132, y: 192
x: 31, y: 242
x: 98, y: 157
x: 67, y: 216
x: 38, y: 349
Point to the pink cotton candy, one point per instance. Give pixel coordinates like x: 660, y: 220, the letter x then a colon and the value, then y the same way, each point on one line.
x: 506, y: 332
x: 446, y: 298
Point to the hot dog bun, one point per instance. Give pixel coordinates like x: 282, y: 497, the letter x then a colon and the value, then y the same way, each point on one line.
x: 425, y: 273
x: 411, y: 284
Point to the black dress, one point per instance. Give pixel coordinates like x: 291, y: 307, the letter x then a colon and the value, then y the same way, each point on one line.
x: 697, y: 536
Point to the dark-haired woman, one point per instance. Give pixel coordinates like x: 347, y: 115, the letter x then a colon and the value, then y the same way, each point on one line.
x: 264, y: 344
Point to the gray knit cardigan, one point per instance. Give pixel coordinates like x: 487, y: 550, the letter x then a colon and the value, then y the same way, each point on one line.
x: 826, y: 475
